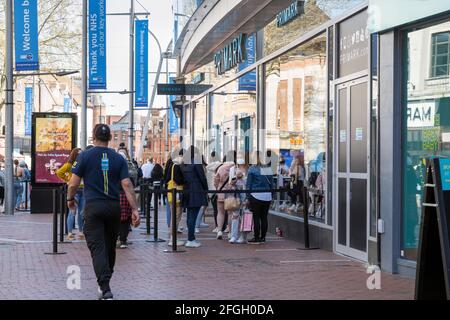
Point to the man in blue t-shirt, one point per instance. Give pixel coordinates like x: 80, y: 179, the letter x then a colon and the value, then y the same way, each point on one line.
x: 104, y: 173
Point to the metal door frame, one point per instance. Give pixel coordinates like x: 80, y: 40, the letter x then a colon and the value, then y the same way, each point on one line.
x: 339, y: 85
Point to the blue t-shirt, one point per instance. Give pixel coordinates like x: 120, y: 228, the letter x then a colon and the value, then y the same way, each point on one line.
x: 102, y: 170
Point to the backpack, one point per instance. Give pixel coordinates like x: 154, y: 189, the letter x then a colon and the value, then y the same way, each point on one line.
x: 133, y: 171
x: 157, y: 172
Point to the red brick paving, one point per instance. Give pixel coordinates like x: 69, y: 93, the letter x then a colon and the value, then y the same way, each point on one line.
x: 217, y: 270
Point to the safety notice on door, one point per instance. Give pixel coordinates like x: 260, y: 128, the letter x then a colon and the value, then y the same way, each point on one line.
x: 359, y: 136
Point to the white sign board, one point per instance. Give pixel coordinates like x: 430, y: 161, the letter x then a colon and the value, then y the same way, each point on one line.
x: 421, y: 114
x: 387, y: 14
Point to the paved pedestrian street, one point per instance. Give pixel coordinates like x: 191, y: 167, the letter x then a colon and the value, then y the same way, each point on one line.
x: 217, y: 270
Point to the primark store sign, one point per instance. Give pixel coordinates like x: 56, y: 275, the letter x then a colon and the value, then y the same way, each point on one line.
x: 296, y: 9
x: 231, y: 55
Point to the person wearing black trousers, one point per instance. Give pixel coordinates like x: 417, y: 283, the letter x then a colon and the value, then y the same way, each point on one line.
x: 259, y: 177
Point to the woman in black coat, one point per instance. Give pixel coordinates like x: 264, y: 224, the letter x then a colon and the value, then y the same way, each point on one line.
x: 194, y: 180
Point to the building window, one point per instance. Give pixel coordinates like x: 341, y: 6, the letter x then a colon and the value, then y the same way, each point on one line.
x: 296, y: 123
x: 116, y: 137
x: 440, y: 56
x: 426, y: 131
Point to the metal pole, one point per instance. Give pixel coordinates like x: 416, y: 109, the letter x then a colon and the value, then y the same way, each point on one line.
x: 9, y: 126
x: 167, y: 114
x: 131, y: 110
x: 84, y: 54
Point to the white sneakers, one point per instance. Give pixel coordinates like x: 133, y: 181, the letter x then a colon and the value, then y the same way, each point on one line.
x: 241, y: 240
x: 216, y: 230
x: 193, y: 244
x: 232, y: 240
x: 197, y: 230
x: 219, y: 235
x: 179, y: 243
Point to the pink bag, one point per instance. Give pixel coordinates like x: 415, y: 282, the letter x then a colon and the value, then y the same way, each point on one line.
x: 247, y: 221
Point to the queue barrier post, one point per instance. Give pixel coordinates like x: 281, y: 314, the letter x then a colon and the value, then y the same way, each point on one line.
x: 155, y: 219
x: 174, y: 248
x: 55, y: 224
x: 306, y: 221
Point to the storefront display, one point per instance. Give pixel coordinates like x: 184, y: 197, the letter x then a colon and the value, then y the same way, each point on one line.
x: 296, y: 117
x: 426, y: 115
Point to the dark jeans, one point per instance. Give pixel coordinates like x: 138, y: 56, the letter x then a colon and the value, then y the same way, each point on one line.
x: 101, y: 228
x: 191, y: 221
x: 124, y: 231
x: 297, y: 192
x: 260, y: 210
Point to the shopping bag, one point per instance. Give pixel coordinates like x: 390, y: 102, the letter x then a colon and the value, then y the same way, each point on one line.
x: 247, y: 221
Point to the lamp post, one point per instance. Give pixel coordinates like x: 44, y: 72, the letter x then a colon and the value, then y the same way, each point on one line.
x: 9, y: 128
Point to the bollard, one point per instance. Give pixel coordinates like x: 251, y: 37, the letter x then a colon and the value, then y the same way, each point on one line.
x: 55, y: 224
x: 155, y: 220
x: 147, y: 211
x: 26, y: 195
x: 61, y: 209
x: 306, y: 221
x: 174, y: 224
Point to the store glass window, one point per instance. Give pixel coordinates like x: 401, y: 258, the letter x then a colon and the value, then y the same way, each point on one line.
x: 233, y: 117
x: 296, y: 122
x: 440, y: 56
x: 426, y: 133
x: 312, y: 14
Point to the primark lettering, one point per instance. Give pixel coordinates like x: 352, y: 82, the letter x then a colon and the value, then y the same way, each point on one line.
x: 230, y: 56
x: 294, y: 10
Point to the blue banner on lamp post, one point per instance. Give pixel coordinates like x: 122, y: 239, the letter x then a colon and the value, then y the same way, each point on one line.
x: 173, y: 120
x: 97, y: 44
x: 26, y: 35
x: 67, y: 102
x: 141, y: 70
x: 28, y: 109
x: 248, y: 81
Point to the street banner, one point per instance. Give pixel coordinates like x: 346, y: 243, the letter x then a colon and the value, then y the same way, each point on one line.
x: 248, y: 81
x: 173, y: 120
x: 67, y: 103
x: 28, y: 109
x: 97, y: 44
x: 53, y: 138
x: 26, y: 35
x: 141, y: 60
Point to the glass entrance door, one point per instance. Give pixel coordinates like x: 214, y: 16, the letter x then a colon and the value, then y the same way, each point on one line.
x: 352, y: 168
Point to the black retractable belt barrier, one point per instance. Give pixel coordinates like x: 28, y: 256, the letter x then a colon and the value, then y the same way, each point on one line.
x: 26, y: 195
x: 155, y: 219
x: 174, y: 248
x: 55, y: 224
x: 306, y: 220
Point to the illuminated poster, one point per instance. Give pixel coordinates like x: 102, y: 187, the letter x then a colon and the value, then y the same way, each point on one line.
x: 53, y: 142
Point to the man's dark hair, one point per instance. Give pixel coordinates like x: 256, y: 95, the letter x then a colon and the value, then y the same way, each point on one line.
x: 102, y: 132
x: 122, y: 145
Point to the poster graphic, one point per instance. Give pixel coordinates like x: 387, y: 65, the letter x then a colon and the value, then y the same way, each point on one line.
x: 53, y: 146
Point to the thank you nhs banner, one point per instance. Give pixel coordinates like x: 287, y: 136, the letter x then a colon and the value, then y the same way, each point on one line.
x: 248, y: 81
x: 141, y: 71
x: 97, y: 44
x: 26, y: 35
x: 28, y: 109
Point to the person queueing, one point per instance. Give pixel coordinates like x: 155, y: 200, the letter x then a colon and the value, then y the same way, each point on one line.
x: 259, y: 177
x: 237, y: 182
x: 65, y: 174
x: 194, y: 183
x: 201, y: 213
x: 211, y: 170
x: 221, y: 184
x: 175, y: 180
x: 103, y: 172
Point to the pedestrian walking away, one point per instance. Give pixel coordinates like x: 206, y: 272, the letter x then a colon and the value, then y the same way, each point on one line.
x: 103, y: 171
